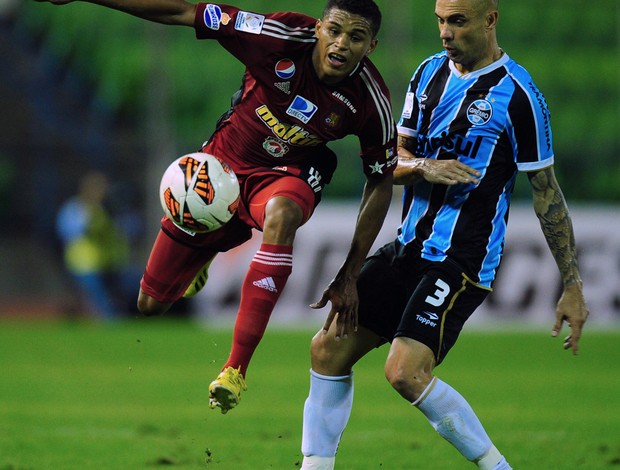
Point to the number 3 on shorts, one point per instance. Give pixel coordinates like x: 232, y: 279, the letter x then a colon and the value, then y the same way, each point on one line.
x: 440, y: 294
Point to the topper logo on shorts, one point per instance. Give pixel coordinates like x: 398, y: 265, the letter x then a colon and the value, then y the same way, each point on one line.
x: 292, y: 134
x: 302, y: 109
x: 479, y: 112
x: 214, y: 17
x: 425, y: 321
x: 285, y: 69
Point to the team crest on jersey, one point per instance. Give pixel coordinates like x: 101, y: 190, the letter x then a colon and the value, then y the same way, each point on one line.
x: 302, y: 109
x: 274, y: 147
x: 249, y: 22
x: 479, y: 112
x: 285, y: 69
x: 214, y: 17
x: 332, y: 120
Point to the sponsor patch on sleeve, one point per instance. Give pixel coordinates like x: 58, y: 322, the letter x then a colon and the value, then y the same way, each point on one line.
x: 249, y: 22
x: 214, y: 17
x: 408, y: 107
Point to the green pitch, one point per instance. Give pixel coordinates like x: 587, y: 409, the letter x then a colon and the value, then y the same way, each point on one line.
x: 134, y: 395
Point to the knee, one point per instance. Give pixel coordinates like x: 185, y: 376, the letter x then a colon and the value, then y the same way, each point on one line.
x: 326, y: 359
x: 150, y: 307
x: 319, y: 352
x: 282, y: 219
x: 409, y: 381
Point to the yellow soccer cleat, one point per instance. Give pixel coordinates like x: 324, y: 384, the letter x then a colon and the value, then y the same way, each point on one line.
x: 199, y: 281
x: 225, y: 391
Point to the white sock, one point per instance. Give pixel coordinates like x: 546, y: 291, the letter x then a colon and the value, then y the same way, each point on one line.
x: 453, y: 418
x: 326, y: 413
x: 493, y: 460
x: 502, y: 465
x: 314, y: 462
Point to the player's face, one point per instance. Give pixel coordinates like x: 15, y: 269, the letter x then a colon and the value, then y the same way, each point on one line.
x: 466, y: 29
x: 343, y: 41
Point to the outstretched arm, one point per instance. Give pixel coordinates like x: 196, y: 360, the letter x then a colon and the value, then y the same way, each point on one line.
x: 552, y: 212
x: 342, y: 291
x: 173, y: 12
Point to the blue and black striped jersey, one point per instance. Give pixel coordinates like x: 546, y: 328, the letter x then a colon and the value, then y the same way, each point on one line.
x: 495, y: 120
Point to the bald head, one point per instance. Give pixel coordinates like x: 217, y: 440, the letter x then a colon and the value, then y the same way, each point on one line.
x: 478, y: 6
x: 485, y: 5
x: 467, y: 31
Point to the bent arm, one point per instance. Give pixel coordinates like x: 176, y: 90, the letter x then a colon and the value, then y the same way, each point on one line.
x: 411, y: 169
x: 172, y: 12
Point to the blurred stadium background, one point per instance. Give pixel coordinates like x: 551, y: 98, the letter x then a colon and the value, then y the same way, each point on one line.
x: 86, y: 88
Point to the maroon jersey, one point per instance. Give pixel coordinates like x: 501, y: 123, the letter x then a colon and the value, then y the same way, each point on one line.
x: 284, y: 115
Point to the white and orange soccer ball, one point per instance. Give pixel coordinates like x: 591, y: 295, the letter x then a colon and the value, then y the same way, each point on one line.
x: 199, y: 192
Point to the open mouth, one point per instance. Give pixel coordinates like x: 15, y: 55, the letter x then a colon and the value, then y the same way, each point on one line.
x: 336, y: 60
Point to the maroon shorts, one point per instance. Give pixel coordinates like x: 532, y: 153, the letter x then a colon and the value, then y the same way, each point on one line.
x: 177, y: 256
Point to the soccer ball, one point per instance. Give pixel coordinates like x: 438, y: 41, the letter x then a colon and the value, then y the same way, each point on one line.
x: 199, y: 192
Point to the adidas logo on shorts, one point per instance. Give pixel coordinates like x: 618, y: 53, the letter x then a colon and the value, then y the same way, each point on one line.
x: 267, y: 284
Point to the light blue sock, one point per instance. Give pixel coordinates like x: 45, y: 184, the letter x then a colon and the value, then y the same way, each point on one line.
x: 326, y: 413
x: 455, y: 420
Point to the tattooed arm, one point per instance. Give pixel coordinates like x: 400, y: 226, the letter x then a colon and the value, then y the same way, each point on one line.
x: 552, y: 212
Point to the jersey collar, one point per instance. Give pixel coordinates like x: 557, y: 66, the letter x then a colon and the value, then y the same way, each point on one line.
x: 503, y: 60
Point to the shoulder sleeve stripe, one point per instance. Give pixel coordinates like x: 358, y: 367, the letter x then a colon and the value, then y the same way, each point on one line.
x: 538, y: 143
x: 382, y: 103
x: 277, y: 29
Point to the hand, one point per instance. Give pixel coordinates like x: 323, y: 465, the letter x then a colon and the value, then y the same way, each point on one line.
x: 449, y: 172
x: 571, y: 308
x: 344, y: 300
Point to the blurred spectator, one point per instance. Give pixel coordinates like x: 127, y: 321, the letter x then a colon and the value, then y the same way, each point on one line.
x: 8, y: 8
x: 96, y: 251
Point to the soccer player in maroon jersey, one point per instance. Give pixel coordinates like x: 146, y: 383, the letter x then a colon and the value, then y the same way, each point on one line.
x: 307, y: 82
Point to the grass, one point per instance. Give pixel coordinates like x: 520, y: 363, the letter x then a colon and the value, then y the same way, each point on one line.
x: 134, y: 395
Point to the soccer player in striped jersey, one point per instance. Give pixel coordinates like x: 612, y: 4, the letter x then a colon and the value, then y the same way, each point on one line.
x: 307, y: 82
x: 472, y: 119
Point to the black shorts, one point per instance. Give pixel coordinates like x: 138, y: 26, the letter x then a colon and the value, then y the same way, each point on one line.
x: 402, y: 294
